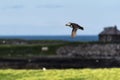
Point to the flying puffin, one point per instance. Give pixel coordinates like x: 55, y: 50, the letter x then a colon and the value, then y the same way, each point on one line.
x: 75, y: 28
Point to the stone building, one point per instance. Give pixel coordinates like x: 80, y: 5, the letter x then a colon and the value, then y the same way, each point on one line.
x: 110, y: 34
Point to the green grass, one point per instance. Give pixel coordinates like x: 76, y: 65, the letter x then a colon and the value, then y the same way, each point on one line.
x: 64, y: 74
x: 33, y: 48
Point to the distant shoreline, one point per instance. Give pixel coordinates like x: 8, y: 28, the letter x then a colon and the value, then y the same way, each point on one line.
x: 59, y: 37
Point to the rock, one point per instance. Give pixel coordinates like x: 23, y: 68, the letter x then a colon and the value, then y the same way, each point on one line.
x: 87, y: 50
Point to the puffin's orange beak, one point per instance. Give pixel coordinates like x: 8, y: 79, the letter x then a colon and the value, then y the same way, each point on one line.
x: 66, y: 25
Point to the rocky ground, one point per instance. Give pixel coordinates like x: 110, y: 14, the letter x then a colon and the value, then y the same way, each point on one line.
x: 90, y: 50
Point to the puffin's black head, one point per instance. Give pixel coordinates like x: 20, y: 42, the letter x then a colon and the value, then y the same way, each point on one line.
x: 68, y: 24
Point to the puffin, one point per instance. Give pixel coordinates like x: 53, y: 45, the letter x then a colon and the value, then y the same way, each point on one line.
x: 74, y: 27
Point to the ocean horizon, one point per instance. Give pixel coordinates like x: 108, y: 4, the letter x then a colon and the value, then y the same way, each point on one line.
x: 62, y: 37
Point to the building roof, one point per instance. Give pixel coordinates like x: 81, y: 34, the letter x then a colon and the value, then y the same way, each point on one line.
x: 112, y: 30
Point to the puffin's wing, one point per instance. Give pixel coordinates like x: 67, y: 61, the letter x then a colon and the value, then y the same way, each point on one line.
x: 77, y: 26
x: 73, y: 33
x: 80, y: 27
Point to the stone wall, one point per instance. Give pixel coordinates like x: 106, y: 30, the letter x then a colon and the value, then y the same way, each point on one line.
x: 84, y: 55
x: 58, y: 63
x: 90, y: 50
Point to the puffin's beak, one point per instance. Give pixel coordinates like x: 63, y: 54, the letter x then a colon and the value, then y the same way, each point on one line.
x: 66, y: 24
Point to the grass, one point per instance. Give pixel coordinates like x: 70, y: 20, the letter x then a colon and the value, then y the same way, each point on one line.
x: 26, y: 50
x: 64, y: 74
x: 33, y: 48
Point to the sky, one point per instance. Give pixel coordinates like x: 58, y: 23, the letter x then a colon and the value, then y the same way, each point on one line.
x: 48, y: 17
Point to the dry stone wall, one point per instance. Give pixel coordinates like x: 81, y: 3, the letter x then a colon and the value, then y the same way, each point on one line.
x: 90, y: 50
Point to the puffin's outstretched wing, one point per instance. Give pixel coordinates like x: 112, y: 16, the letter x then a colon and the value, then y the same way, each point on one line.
x: 80, y: 27
x: 77, y: 26
x: 73, y: 33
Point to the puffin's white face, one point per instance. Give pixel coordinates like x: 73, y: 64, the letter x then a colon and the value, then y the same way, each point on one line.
x: 68, y: 24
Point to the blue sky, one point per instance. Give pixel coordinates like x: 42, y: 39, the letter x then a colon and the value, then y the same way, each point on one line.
x: 48, y: 17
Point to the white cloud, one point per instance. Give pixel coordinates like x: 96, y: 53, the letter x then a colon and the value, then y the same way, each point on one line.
x: 12, y: 7
x: 49, y: 6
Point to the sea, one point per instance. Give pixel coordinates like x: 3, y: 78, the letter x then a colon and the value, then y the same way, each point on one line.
x: 63, y: 38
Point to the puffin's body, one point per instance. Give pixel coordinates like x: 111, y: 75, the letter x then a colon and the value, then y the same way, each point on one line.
x: 75, y: 28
